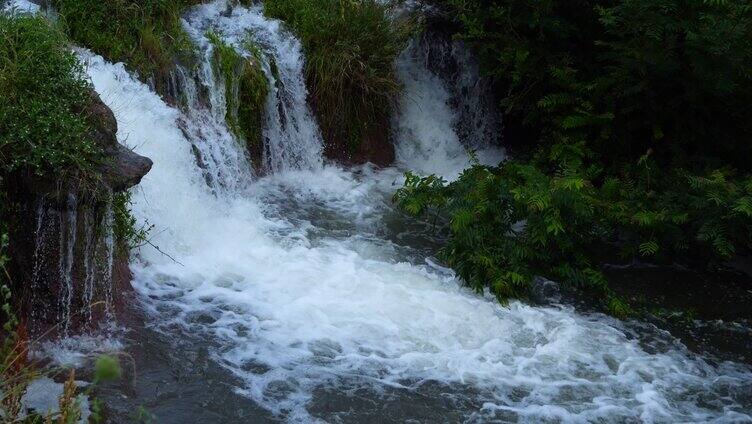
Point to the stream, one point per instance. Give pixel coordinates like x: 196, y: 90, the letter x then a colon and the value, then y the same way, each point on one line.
x: 302, y: 295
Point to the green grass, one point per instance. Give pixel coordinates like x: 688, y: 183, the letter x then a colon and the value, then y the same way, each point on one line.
x: 350, y: 48
x: 246, y: 88
x: 43, y: 97
x: 145, y: 34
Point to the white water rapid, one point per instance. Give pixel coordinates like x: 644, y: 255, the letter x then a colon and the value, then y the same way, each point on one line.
x: 299, y: 285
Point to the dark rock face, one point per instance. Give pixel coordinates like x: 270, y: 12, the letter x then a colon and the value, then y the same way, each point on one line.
x: 124, y: 169
x: 66, y: 265
x: 376, y: 147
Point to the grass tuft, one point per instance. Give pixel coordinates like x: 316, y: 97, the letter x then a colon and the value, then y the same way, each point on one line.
x: 351, y: 46
x: 145, y: 34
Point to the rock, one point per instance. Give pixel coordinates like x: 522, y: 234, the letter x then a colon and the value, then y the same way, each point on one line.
x: 124, y: 169
x: 544, y: 291
x: 376, y: 148
x: 64, y: 258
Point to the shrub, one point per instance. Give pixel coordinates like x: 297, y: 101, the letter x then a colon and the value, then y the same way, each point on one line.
x: 510, y: 224
x: 350, y: 46
x: 43, y: 98
x: 635, y: 114
x: 623, y: 76
x: 145, y: 34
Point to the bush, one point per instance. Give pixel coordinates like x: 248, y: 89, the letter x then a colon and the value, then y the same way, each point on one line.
x: 510, y: 224
x: 635, y: 116
x: 145, y: 34
x: 43, y: 98
x: 350, y: 46
x: 624, y: 77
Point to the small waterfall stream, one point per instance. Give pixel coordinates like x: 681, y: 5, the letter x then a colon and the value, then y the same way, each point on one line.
x: 445, y: 111
x: 292, y: 139
x: 304, y: 286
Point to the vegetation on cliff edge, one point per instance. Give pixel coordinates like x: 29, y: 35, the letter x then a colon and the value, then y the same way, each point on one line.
x: 246, y: 88
x: 350, y: 50
x: 43, y: 98
x: 147, y: 35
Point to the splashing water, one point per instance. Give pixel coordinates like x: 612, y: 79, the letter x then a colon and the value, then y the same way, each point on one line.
x: 295, y: 287
x: 292, y: 139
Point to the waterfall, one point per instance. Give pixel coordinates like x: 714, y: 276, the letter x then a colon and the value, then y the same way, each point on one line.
x: 292, y: 139
x: 108, y: 240
x: 311, y: 292
x: 446, y: 116
x: 68, y: 231
x: 299, y: 285
x: 90, y: 274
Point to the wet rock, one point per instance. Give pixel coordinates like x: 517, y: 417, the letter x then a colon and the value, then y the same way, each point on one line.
x: 124, y: 168
x: 67, y: 270
x: 545, y: 292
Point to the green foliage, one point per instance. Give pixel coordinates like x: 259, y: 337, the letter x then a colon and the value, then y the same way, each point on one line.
x: 510, y: 224
x: 350, y: 46
x: 43, y: 98
x: 626, y: 76
x: 246, y: 88
x: 635, y: 114
x: 125, y: 227
x: 107, y: 368
x: 145, y: 34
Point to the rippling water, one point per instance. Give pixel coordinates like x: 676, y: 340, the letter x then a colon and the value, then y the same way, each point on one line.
x: 309, y: 300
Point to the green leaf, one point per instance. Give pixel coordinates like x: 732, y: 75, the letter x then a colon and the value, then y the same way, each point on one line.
x: 107, y: 368
x: 649, y: 248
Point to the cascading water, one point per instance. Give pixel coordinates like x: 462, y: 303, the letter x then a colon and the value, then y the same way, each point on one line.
x: 292, y: 139
x: 68, y: 228
x: 295, y: 285
x: 445, y: 114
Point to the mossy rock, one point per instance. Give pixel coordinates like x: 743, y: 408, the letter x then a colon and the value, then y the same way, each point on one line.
x: 246, y: 89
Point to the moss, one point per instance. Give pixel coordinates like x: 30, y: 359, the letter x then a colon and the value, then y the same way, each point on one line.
x: 146, y: 35
x: 43, y: 98
x: 125, y: 227
x: 351, y: 47
x: 246, y: 90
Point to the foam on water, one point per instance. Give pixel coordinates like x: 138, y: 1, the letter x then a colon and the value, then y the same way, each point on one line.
x: 291, y: 306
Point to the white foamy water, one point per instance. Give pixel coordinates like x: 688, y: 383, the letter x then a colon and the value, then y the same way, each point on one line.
x: 427, y: 124
x: 292, y: 137
x: 19, y: 6
x: 292, y: 289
